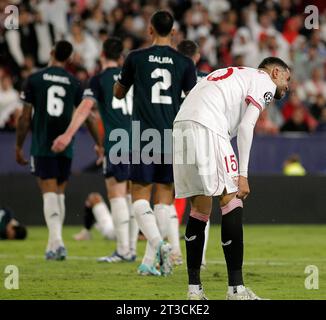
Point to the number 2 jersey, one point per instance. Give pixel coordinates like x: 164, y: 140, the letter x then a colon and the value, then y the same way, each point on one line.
x: 219, y: 101
x: 159, y: 74
x: 115, y: 114
x: 54, y: 93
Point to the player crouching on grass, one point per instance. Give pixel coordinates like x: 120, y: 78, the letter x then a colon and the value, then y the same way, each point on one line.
x: 225, y: 104
x: 10, y: 228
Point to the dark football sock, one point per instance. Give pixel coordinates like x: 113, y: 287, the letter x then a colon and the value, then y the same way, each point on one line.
x: 195, y: 238
x: 89, y: 218
x: 232, y: 244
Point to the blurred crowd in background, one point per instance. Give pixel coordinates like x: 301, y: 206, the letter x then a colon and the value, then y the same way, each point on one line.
x: 228, y: 32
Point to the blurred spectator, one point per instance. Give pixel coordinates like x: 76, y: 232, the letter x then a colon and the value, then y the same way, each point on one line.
x: 322, y: 122
x: 315, y: 86
x: 290, y: 113
x: 55, y: 12
x: 319, y: 105
x: 265, y: 126
x: 45, y: 39
x: 23, y: 41
x: 85, y: 47
x: 244, y: 45
x: 296, y: 123
x: 10, y: 105
x: 293, y: 167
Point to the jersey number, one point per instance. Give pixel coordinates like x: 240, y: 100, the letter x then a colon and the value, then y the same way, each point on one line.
x: 228, y: 73
x: 55, y: 103
x: 124, y: 104
x: 231, y: 163
x: 164, y: 84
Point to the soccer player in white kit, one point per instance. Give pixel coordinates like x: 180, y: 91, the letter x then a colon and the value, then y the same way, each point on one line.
x: 225, y: 104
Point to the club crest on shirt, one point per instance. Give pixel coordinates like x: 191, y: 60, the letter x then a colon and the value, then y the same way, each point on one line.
x: 268, y: 97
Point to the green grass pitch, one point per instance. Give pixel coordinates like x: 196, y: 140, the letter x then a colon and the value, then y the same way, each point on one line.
x: 275, y: 262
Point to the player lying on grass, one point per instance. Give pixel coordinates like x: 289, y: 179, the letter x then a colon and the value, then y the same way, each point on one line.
x: 10, y: 228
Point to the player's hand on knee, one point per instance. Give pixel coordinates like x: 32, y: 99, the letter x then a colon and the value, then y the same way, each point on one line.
x: 243, y: 188
x: 20, y: 159
x: 61, y: 143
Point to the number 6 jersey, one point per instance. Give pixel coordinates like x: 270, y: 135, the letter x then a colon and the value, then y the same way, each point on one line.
x: 159, y: 74
x: 54, y: 93
x: 219, y: 101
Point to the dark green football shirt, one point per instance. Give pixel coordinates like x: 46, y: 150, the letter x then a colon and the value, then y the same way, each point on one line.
x: 54, y: 93
x: 115, y: 114
x: 5, y: 217
x: 159, y: 74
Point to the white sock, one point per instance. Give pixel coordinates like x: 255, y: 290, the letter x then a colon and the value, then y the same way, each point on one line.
x: 149, y: 256
x: 162, y: 215
x: 147, y: 222
x: 195, y: 287
x: 133, y: 227
x: 52, y: 217
x: 237, y: 289
x: 173, y: 234
x: 203, y: 261
x: 120, y: 216
x: 61, y: 199
x: 104, y: 222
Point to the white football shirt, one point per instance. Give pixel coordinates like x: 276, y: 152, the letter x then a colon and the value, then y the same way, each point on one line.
x: 219, y: 101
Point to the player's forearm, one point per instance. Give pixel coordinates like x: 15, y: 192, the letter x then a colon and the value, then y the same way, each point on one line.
x: 245, y: 136
x: 22, y: 131
x: 244, y: 141
x: 79, y: 117
x: 92, y: 127
x: 119, y: 91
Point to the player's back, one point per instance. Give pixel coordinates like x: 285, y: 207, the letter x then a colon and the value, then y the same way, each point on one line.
x: 54, y: 93
x: 159, y: 77
x: 220, y: 100
x: 115, y: 113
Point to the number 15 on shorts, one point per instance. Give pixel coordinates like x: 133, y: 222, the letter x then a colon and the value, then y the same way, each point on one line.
x: 231, y: 163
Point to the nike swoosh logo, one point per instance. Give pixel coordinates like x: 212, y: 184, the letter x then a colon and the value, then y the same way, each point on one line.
x: 124, y: 222
x: 148, y: 212
x: 173, y: 217
x: 54, y: 214
x: 192, y: 238
x: 226, y: 243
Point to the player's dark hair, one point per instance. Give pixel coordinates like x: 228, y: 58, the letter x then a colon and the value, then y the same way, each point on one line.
x: 162, y: 21
x: 188, y: 48
x: 273, y: 61
x: 20, y: 232
x: 112, y: 48
x: 62, y: 50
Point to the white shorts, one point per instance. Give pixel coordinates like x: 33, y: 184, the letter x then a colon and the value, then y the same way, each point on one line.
x: 204, y: 163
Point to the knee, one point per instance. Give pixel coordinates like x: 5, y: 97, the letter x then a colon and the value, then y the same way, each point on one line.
x: 229, y: 203
x: 93, y: 199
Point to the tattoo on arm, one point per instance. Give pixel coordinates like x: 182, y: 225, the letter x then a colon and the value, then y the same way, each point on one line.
x: 24, y: 124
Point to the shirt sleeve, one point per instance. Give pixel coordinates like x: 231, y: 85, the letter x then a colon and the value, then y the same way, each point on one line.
x: 189, y: 77
x: 126, y: 76
x: 261, y: 91
x: 27, y: 94
x: 245, y: 136
x: 93, y: 89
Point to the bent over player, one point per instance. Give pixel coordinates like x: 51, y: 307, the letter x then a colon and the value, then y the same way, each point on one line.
x: 225, y: 104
